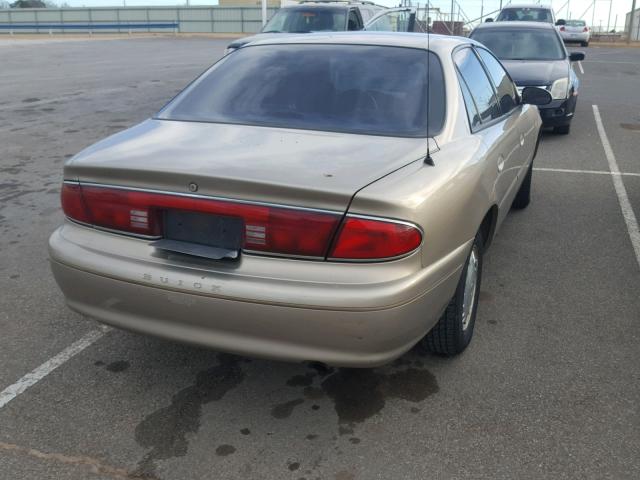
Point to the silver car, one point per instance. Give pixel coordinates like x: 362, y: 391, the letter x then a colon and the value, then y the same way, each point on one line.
x: 317, y: 197
x: 575, y: 31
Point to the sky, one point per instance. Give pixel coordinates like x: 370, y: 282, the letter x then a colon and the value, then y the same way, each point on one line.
x: 574, y: 9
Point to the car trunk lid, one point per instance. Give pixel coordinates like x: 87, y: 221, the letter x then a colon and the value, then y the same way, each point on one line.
x: 290, y: 167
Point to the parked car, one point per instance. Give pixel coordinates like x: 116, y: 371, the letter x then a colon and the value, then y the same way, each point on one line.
x: 534, y: 55
x: 575, y: 31
x: 315, y: 16
x: 312, y: 197
x: 531, y: 12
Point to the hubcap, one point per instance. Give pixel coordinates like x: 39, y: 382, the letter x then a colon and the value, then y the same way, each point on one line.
x: 470, y: 284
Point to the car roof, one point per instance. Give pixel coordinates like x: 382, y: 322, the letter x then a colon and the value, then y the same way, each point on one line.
x: 516, y: 24
x: 436, y: 43
x: 526, y: 5
x: 322, y: 5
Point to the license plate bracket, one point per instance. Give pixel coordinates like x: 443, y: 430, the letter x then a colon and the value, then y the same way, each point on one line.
x: 201, y: 234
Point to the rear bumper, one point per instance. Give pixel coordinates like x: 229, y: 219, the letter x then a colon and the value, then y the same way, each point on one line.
x: 320, y: 322
x: 577, y: 37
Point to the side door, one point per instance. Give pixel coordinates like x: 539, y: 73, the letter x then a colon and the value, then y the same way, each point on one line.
x: 498, y: 131
x: 401, y: 19
x: 511, y: 107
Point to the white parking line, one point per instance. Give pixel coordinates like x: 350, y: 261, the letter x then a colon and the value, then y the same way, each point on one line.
x: 33, y: 377
x: 592, y: 172
x: 621, y: 191
x: 580, y: 65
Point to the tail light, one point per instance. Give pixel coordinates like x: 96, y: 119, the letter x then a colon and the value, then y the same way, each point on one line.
x: 585, y: 29
x: 562, y: 29
x: 268, y: 229
x: 362, y: 238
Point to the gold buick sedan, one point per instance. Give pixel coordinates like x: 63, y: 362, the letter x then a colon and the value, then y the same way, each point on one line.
x: 326, y: 197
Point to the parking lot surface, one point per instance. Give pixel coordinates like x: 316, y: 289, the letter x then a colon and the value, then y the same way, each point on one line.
x: 548, y: 388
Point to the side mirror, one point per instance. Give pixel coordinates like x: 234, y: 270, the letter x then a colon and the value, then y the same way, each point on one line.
x: 561, y: 22
x: 535, y: 96
x: 489, y: 20
x: 576, y: 56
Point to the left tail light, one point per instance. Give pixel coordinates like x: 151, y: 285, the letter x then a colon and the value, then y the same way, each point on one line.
x: 269, y: 229
x: 562, y: 29
x: 585, y: 29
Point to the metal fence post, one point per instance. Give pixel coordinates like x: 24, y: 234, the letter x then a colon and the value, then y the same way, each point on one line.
x: 242, y: 20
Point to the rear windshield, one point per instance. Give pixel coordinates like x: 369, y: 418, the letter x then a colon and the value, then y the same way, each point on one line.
x: 525, y: 14
x: 299, y: 20
x: 507, y: 44
x: 576, y: 23
x: 345, y: 88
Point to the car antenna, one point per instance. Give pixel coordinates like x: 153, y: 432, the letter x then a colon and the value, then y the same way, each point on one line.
x: 428, y: 160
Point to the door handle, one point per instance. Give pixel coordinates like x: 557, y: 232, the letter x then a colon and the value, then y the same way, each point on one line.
x: 500, y: 163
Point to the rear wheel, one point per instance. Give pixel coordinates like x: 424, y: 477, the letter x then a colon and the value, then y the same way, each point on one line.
x: 523, y: 197
x: 584, y: 44
x: 454, y: 330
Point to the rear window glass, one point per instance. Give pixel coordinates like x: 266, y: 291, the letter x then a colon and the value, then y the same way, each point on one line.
x: 346, y: 88
x: 298, y: 20
x: 533, y: 44
x: 576, y: 23
x: 525, y: 15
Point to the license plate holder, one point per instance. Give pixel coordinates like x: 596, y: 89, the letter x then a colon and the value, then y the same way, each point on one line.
x: 201, y: 234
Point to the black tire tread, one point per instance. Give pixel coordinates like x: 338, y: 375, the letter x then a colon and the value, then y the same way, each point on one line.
x: 523, y: 197
x: 445, y: 338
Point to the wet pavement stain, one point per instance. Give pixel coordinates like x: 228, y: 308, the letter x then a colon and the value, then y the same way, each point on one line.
x: 301, y: 380
x: 631, y: 126
x: 164, y: 431
x: 293, y: 466
x: 284, y: 410
x: 224, y: 450
x: 119, y: 366
x: 245, y: 431
x: 361, y: 394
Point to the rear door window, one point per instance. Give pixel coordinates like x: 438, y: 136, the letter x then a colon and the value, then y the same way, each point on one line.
x: 476, y: 80
x: 506, y: 90
x: 354, y: 22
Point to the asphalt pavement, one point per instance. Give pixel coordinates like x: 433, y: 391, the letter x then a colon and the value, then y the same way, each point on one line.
x: 548, y: 389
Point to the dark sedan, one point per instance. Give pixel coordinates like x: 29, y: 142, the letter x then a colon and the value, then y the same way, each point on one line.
x: 534, y: 55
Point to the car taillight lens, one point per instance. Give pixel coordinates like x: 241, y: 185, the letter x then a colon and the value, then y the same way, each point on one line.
x: 585, y: 29
x: 562, y: 29
x: 367, y: 238
x: 268, y: 229
x: 73, y: 204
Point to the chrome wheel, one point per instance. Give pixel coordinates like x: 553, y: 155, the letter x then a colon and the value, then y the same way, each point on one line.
x: 470, y: 285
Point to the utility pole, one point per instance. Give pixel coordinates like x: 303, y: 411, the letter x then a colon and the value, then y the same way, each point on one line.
x: 633, y: 15
x: 609, y: 19
x: 481, y: 10
x: 593, y: 13
x: 568, y: 14
x: 452, y: 8
x: 264, y: 12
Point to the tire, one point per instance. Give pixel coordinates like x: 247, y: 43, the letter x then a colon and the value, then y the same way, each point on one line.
x: 523, y: 197
x: 584, y: 44
x: 453, y: 332
x: 562, y: 129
